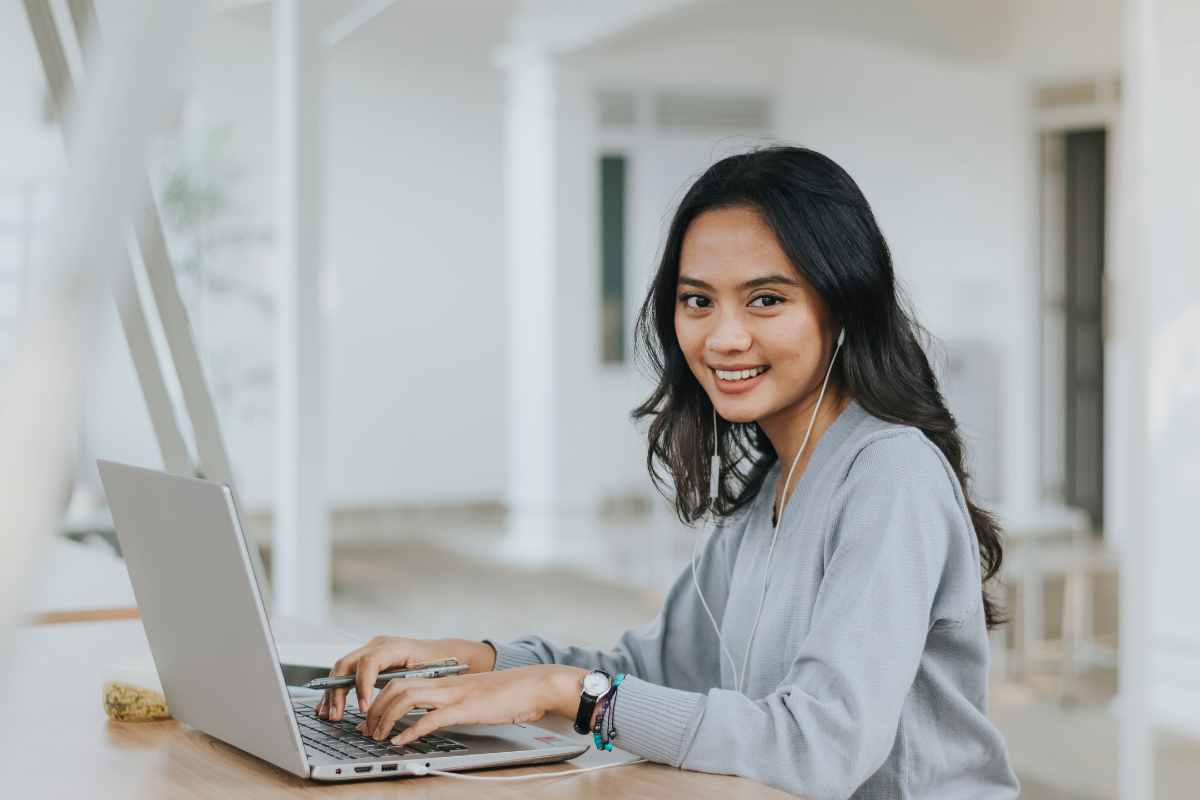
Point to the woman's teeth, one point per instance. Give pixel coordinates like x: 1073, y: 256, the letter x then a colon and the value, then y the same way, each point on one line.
x: 739, y: 375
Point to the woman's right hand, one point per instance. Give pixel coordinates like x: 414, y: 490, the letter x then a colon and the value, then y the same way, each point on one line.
x: 385, y: 653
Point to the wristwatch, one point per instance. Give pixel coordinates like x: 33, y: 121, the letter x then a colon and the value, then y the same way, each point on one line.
x: 595, y: 684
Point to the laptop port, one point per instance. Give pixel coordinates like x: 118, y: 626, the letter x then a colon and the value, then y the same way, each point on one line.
x: 389, y: 768
x: 367, y: 768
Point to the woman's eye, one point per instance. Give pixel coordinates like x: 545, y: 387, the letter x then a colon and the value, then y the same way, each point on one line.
x: 696, y: 301
x: 766, y: 300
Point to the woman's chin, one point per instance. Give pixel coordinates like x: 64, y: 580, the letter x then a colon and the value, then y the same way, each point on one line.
x: 739, y: 412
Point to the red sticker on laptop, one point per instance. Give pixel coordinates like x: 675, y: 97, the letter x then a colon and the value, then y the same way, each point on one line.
x: 550, y: 740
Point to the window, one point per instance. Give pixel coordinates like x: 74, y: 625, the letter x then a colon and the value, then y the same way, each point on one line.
x: 612, y: 258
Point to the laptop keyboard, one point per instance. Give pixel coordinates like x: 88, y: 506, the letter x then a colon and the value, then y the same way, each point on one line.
x: 340, y: 739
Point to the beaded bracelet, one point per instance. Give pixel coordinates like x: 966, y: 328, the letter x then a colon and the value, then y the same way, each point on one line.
x: 611, y: 733
x: 603, y: 736
x: 598, y: 730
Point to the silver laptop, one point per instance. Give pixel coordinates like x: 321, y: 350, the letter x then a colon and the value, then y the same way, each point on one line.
x: 208, y: 632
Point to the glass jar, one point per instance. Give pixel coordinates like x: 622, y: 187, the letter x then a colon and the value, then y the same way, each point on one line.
x: 132, y: 691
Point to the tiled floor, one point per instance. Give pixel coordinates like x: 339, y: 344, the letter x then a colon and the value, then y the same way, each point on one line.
x: 410, y: 587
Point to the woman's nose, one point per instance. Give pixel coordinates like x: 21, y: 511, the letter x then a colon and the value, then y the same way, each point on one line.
x: 728, y: 335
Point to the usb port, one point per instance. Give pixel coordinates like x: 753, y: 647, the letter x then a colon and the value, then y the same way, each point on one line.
x: 367, y: 768
x: 389, y: 768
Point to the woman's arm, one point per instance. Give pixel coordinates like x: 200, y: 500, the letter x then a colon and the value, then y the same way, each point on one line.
x: 679, y: 648
x: 665, y: 652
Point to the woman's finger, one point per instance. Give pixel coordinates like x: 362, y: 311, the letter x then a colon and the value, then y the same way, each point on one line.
x: 394, y: 652
x: 369, y: 667
x: 335, y: 699
x: 438, y: 718
x: 403, y: 695
x: 386, y: 697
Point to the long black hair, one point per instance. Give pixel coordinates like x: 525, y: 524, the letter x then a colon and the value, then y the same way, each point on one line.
x: 824, y: 224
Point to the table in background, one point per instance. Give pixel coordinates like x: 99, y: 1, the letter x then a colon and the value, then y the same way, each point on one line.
x: 56, y: 741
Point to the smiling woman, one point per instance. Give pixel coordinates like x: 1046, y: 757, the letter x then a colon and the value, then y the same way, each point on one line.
x: 765, y: 254
x: 854, y: 598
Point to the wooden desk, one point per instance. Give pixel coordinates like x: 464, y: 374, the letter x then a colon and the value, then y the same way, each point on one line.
x: 55, y: 741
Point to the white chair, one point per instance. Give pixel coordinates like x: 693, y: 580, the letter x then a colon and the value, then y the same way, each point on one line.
x: 1044, y: 542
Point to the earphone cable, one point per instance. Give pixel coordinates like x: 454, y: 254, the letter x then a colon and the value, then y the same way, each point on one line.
x: 714, y: 469
x: 703, y: 602
x: 783, y: 502
x: 421, y: 769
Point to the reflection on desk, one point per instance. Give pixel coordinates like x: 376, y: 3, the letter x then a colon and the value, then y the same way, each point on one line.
x: 57, y: 742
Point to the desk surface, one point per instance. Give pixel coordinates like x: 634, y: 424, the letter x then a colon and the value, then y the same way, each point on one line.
x: 55, y: 740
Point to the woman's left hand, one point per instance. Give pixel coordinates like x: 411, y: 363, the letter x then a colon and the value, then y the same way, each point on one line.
x: 523, y: 694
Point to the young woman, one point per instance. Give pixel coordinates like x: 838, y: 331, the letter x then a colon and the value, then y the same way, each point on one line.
x: 831, y: 637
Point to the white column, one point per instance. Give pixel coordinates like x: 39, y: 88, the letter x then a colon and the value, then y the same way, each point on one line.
x: 300, y: 558
x: 530, y: 222
x: 1164, y: 648
x: 1127, y: 360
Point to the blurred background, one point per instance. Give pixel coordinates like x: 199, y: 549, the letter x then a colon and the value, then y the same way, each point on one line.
x: 412, y: 238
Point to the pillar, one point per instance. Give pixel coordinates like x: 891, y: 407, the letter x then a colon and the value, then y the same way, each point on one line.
x: 300, y: 547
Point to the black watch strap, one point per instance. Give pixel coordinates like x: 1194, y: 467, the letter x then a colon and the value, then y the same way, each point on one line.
x: 587, y: 705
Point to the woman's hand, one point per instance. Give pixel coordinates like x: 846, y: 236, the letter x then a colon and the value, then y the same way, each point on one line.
x: 385, y: 653
x: 523, y: 694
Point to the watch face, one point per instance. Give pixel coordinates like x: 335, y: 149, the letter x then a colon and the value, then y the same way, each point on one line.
x: 595, y: 684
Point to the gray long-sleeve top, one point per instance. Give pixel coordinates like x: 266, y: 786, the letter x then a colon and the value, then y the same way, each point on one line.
x: 868, y: 676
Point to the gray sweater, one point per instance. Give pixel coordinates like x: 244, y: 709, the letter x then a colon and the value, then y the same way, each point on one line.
x: 869, y: 672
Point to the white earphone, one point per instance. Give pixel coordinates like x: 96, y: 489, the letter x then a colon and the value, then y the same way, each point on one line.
x: 740, y: 678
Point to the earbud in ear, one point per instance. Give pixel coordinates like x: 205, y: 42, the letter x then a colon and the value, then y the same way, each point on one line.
x: 842, y: 336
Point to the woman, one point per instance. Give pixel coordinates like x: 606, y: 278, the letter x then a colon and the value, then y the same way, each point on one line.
x: 831, y: 638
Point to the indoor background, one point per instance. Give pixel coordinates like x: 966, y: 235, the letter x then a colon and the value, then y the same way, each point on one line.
x: 435, y: 334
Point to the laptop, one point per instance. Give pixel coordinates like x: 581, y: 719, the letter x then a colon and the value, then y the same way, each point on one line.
x: 211, y: 641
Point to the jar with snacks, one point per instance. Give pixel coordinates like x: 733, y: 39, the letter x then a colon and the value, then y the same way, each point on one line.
x: 132, y: 691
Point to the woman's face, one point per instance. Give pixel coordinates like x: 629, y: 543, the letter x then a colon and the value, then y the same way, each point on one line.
x: 754, y: 333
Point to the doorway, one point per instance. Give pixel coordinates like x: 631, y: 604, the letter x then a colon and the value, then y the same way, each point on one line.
x: 1074, y: 202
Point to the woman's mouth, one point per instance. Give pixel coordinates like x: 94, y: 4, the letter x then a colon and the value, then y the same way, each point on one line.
x: 732, y: 376
x: 738, y: 381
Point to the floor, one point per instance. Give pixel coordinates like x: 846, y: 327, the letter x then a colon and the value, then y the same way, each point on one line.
x: 413, y: 588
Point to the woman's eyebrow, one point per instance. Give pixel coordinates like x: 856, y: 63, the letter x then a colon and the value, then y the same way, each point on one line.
x: 754, y: 283
x: 770, y: 280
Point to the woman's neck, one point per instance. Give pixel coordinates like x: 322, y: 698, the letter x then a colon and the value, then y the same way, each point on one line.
x: 786, y: 432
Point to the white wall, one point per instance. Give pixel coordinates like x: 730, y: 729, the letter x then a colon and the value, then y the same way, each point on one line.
x: 941, y: 144
x: 416, y: 367
x: 412, y: 252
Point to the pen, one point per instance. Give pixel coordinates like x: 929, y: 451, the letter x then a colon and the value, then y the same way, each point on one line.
x: 382, y: 679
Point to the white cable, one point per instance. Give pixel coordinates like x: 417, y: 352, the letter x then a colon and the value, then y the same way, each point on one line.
x: 714, y: 469
x: 778, y: 521
x: 716, y: 627
x: 421, y: 769
x: 783, y: 501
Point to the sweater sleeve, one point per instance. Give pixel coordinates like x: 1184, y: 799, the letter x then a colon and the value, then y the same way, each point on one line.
x: 833, y: 720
